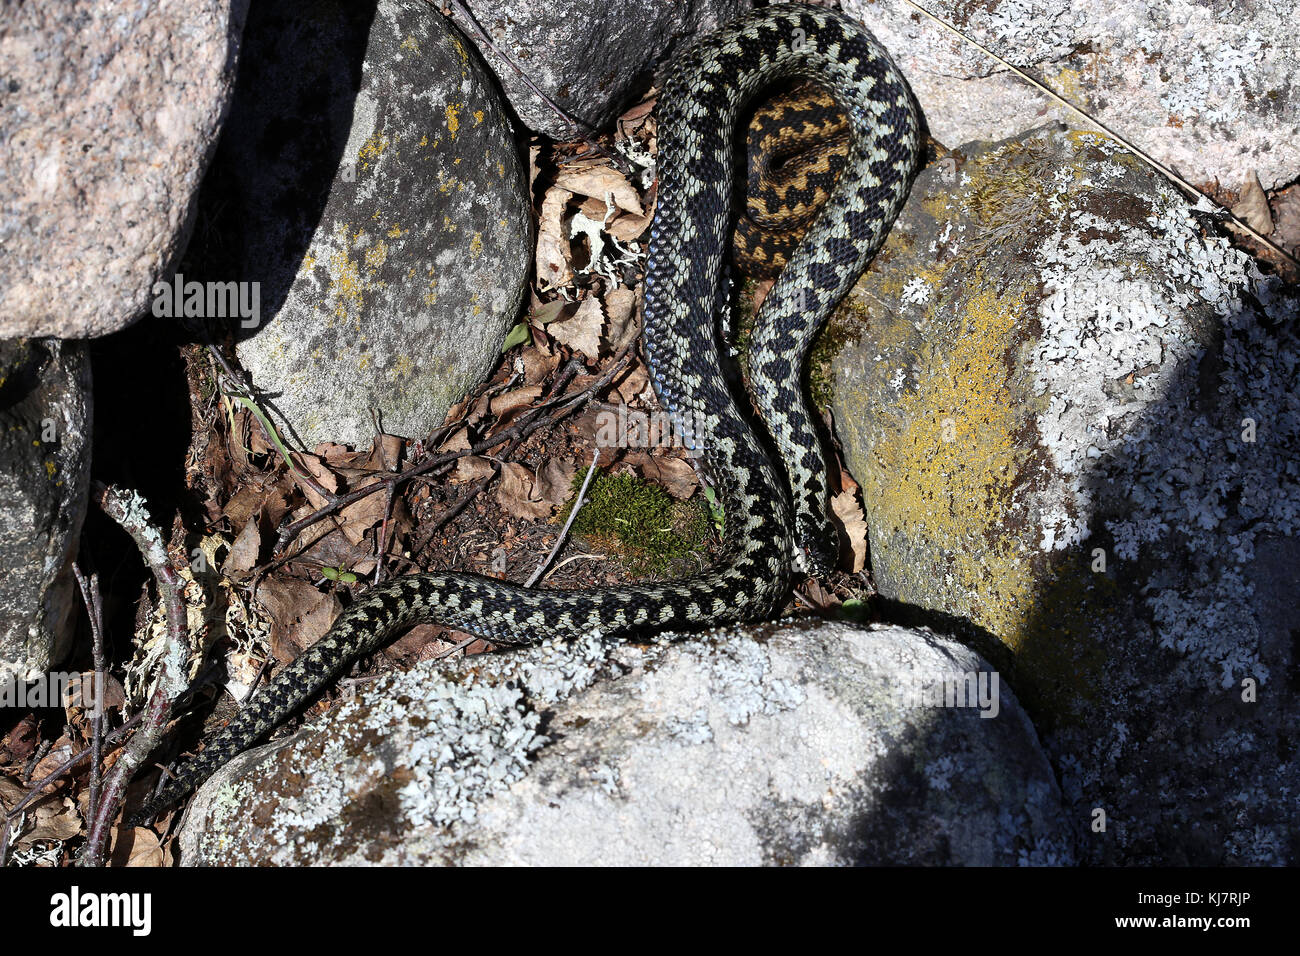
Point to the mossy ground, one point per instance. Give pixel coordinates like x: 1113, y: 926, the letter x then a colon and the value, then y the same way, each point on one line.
x: 640, y: 524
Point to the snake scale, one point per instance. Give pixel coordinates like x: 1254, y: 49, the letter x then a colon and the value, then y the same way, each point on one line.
x: 776, y: 522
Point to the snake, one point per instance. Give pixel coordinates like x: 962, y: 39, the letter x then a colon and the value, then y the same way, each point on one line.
x: 795, y: 148
x: 773, y: 490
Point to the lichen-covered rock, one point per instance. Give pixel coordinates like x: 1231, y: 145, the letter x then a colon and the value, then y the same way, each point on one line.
x: 1209, y: 87
x: 587, y: 58
x: 45, y: 414
x: 369, y: 181
x: 792, y: 744
x: 1077, y: 426
x: 109, y: 119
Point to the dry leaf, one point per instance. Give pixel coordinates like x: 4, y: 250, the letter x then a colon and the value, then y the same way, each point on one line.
x: 675, y: 474
x: 555, y: 480
x: 622, y: 327
x: 471, y: 468
x: 599, y: 182
x: 458, y: 440
x: 300, y: 614
x: 244, y: 551
x: 553, y: 253
x: 136, y: 846
x: 518, y: 495
x: 506, y: 406
x: 581, y: 331
x: 846, y: 508
x: 385, y: 453
x: 538, y: 364
x: 1286, y: 222
x: 51, y: 816
x: 1252, y: 208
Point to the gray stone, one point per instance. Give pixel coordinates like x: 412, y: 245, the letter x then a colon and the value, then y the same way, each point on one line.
x: 795, y: 743
x: 1209, y: 87
x: 370, y: 183
x: 45, y: 415
x: 588, y: 58
x: 1076, y: 424
x: 108, y: 117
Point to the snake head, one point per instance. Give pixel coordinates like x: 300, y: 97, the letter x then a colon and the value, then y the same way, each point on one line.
x: 816, y: 545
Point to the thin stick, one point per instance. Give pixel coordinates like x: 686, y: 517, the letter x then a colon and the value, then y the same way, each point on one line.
x: 128, y: 510
x: 94, y: 610
x: 1113, y: 134
x: 573, y: 513
x: 528, y: 423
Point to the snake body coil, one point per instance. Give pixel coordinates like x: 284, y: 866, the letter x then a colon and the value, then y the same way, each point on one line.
x: 685, y: 293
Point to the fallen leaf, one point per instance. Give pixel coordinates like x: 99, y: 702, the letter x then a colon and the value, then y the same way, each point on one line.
x: 51, y: 816
x: 509, y: 404
x: 518, y: 495
x: 538, y: 364
x: 600, y: 182
x: 675, y: 474
x: 300, y: 615
x: 846, y: 508
x: 471, y: 468
x: 553, y: 252
x: 581, y: 332
x: 1252, y: 207
x: 555, y: 480
x: 244, y: 551
x: 1286, y: 222
x: 622, y: 327
x: 136, y: 846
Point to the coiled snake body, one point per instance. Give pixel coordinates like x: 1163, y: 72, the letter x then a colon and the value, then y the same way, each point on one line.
x: 766, y: 512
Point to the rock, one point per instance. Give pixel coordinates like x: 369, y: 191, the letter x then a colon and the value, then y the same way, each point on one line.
x: 369, y: 182
x: 803, y: 743
x: 1076, y: 424
x: 1209, y: 88
x: 109, y: 120
x: 588, y: 59
x: 45, y: 414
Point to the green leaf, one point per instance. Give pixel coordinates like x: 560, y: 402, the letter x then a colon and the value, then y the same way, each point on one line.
x: 519, y: 335
x: 331, y: 573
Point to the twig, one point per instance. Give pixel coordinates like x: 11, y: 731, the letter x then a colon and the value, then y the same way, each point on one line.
x: 427, y: 534
x: 1123, y: 141
x: 128, y: 510
x: 95, y: 611
x: 573, y: 513
x: 528, y: 423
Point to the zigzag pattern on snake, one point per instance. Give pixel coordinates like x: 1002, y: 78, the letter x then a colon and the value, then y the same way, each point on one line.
x: 775, y: 523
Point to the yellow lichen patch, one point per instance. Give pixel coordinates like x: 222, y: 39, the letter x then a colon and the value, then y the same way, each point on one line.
x: 947, y: 466
x: 376, y: 255
x: 478, y: 117
x: 476, y: 245
x: 453, y: 118
x: 346, y: 286
x: 395, y: 232
x: 402, y: 368
x: 1069, y: 83
x: 448, y: 224
x: 501, y: 170
x: 412, y: 44
x: 372, y: 149
x: 424, y: 140
x: 50, y: 468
